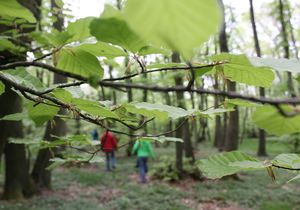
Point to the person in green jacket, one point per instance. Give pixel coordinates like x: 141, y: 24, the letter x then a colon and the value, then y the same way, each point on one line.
x: 143, y: 149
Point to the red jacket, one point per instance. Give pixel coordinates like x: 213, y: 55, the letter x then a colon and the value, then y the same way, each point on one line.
x: 108, y: 142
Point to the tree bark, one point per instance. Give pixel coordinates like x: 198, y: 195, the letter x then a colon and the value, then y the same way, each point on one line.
x: 232, y: 130
x: 18, y: 183
x: 261, y: 151
x: 218, y: 123
x: 184, y: 131
x: 40, y: 174
x: 286, y: 47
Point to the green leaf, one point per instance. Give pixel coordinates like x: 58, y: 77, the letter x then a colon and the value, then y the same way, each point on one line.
x: 40, y: 113
x: 63, y: 95
x: 116, y: 31
x: 15, y: 116
x: 24, y: 78
x: 288, y: 160
x: 79, y: 62
x: 55, y: 38
x: 238, y: 102
x: 75, y: 140
x: 277, y: 64
x: 269, y: 119
x: 238, y: 68
x: 298, y: 79
x: 5, y: 44
x: 210, y: 112
x: 165, y: 65
x: 228, y: 163
x: 12, y: 9
x: 2, y: 88
x: 160, y: 139
x: 93, y: 108
x: 79, y: 29
x: 23, y: 141
x: 179, y: 25
x: 149, y: 50
x: 103, y: 49
x: 295, y: 178
x: 56, y: 162
x: 159, y: 111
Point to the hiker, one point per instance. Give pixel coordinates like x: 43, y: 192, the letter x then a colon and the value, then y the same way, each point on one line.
x: 109, y: 145
x: 95, y: 135
x: 143, y: 149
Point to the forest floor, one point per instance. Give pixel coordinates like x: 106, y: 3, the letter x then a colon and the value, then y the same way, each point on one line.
x: 90, y: 187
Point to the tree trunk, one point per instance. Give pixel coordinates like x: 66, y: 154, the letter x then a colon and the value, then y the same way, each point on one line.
x: 286, y: 47
x: 218, y: 122
x: 40, y: 174
x: 261, y: 151
x: 17, y: 180
x: 18, y: 183
x: 231, y: 141
x: 184, y: 131
x: 129, y: 99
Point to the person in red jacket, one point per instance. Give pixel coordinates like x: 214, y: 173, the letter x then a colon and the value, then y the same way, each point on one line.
x: 109, y: 145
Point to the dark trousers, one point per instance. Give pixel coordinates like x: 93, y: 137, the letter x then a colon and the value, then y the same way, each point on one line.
x: 143, y: 168
x: 110, y: 160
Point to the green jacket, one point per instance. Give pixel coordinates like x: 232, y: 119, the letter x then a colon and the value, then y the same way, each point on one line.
x: 143, y: 149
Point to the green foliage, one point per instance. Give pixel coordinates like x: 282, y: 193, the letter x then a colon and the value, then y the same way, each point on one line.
x: 161, y: 139
x: 55, y: 38
x: 79, y: 29
x: 238, y: 102
x: 93, y: 108
x: 212, y: 112
x: 2, y: 88
x: 103, y: 49
x: 56, y: 162
x: 289, y: 160
x: 15, y: 116
x: 152, y: 19
x: 238, y: 68
x: 120, y: 34
x: 148, y: 50
x: 79, y: 62
x: 5, y: 44
x: 12, y: 9
x: 269, y: 119
x: 159, y: 111
x: 228, y: 163
x: 41, y: 113
x: 166, y: 170
x: 23, y: 77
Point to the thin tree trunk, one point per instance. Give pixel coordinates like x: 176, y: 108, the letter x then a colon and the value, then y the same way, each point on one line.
x: 286, y: 47
x: 183, y: 132
x: 261, y: 151
x: 218, y: 122
x: 231, y: 141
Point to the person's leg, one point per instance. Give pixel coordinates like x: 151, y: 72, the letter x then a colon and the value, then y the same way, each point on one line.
x: 107, y: 161
x: 113, y: 159
x: 146, y: 165
x: 142, y: 169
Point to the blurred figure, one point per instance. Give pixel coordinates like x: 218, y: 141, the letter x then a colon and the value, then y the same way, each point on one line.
x: 143, y: 149
x: 109, y: 145
x: 95, y: 135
